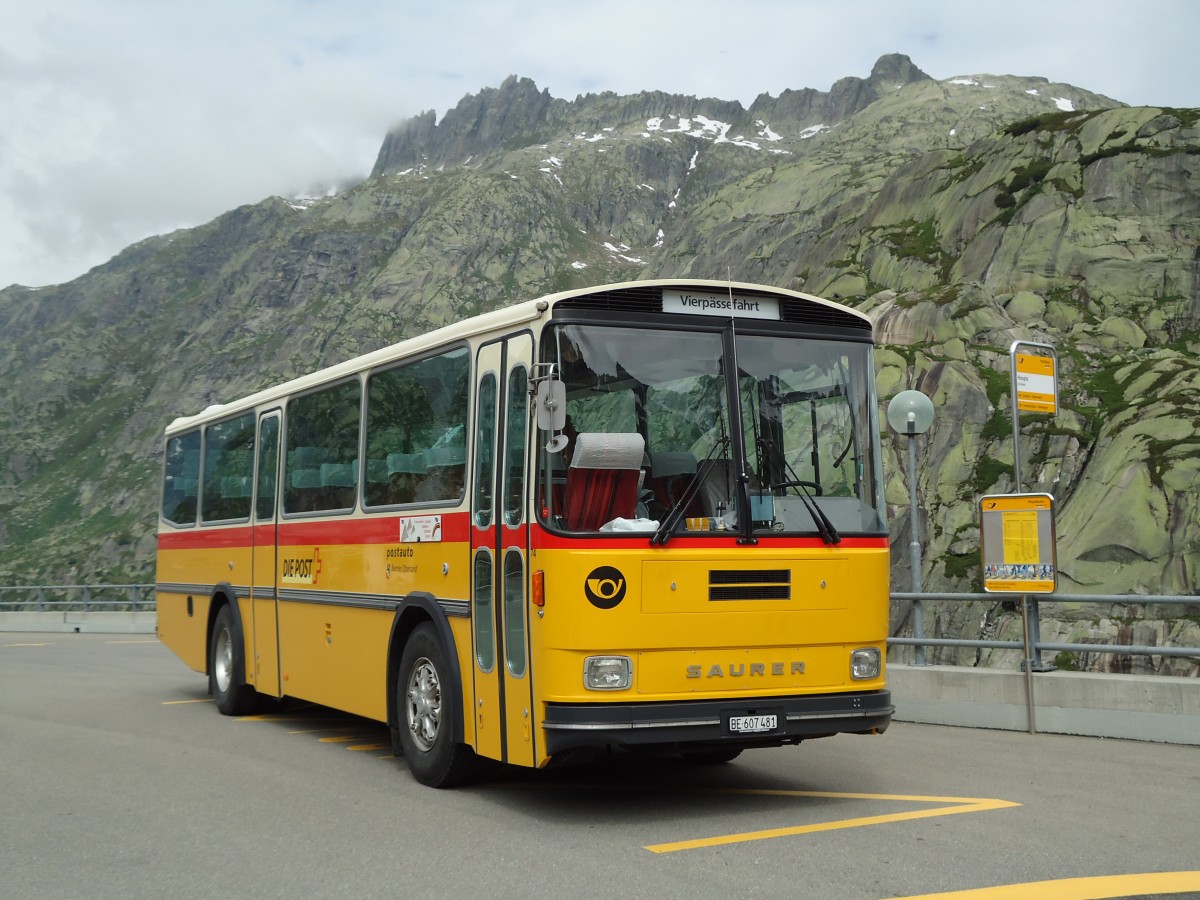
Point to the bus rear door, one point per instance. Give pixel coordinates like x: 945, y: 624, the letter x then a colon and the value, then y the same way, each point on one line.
x: 265, y: 593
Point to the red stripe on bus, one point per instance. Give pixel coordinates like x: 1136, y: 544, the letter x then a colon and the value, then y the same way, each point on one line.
x: 374, y: 530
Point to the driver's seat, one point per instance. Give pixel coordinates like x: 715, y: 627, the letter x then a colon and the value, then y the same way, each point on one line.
x: 602, y: 480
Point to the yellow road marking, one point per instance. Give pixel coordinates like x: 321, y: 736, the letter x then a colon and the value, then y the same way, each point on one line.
x: 959, y: 805
x: 1092, y: 888
x: 181, y: 702
x: 45, y: 644
x: 132, y: 642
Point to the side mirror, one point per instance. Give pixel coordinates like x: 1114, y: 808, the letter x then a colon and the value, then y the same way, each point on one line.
x: 551, y: 405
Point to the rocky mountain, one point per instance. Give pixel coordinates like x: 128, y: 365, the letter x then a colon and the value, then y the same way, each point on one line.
x: 961, y: 214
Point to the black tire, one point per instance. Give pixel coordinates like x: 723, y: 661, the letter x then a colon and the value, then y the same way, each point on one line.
x: 226, y: 669
x: 426, y: 710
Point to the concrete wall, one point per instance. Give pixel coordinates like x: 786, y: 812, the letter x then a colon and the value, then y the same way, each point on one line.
x: 77, y: 622
x: 1137, y: 707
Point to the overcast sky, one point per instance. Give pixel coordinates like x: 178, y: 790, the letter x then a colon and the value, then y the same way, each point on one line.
x: 120, y: 119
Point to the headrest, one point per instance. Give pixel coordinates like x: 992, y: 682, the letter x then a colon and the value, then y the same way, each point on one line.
x: 601, y: 450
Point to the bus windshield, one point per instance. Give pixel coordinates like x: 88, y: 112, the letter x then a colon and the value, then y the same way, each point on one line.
x: 792, y: 445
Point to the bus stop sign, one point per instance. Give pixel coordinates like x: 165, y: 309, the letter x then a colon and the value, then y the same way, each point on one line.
x: 1016, y: 535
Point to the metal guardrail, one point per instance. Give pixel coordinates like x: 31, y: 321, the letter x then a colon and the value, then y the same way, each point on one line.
x: 921, y: 640
x: 137, y: 597
x: 77, y: 598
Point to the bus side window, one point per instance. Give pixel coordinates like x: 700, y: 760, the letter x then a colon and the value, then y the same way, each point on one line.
x: 416, y: 431
x: 228, y: 470
x: 181, y: 479
x: 322, y: 432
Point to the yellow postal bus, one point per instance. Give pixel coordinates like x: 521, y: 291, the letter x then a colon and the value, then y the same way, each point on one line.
x: 642, y: 517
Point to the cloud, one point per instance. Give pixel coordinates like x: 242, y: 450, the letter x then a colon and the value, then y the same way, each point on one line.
x: 123, y: 119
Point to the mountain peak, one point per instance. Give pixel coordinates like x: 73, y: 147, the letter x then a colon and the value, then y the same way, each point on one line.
x: 896, y: 68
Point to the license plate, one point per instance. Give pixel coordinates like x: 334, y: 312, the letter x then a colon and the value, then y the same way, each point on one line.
x: 753, y: 724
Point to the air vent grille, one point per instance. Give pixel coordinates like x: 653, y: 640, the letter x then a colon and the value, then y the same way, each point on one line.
x: 749, y: 584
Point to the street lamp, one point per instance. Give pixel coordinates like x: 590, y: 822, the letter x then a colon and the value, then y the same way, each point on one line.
x: 911, y: 413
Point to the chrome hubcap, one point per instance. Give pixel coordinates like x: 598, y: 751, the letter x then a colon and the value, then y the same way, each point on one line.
x: 424, y: 704
x: 223, y: 661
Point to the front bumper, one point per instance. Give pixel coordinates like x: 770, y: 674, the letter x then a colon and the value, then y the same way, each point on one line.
x: 572, y: 726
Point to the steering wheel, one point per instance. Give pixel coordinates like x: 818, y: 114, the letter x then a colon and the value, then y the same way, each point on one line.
x: 811, y: 485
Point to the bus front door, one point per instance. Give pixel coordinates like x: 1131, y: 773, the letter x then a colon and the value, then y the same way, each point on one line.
x: 499, y: 545
x: 264, y: 592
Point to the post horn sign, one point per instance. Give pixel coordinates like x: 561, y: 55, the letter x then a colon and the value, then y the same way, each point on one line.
x: 1018, y: 543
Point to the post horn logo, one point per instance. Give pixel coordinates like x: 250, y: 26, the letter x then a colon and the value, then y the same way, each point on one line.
x: 605, y: 587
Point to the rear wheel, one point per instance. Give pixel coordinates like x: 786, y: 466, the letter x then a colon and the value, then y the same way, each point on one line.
x: 426, y: 712
x: 226, y: 678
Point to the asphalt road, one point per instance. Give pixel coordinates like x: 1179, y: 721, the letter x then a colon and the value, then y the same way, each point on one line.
x: 118, y: 778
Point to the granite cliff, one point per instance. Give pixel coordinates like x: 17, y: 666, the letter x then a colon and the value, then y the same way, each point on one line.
x: 961, y: 214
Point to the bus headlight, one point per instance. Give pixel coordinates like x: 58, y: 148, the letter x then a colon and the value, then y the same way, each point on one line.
x: 864, y: 663
x: 607, y: 673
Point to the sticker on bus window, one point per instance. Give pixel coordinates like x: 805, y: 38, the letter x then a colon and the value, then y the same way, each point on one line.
x: 420, y: 529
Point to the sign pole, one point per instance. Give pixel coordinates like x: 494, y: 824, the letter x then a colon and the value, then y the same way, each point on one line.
x: 1034, y: 388
x: 1018, y: 552
x: 1028, y: 667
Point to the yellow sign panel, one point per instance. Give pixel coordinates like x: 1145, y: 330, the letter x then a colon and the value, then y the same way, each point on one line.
x: 1036, y: 389
x: 1017, y: 543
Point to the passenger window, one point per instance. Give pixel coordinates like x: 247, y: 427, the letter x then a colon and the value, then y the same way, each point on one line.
x: 416, y: 431
x: 181, y: 479
x: 228, y: 470
x: 322, y: 458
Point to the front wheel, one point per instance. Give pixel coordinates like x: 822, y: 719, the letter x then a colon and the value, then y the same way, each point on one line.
x: 226, y: 676
x: 426, y: 711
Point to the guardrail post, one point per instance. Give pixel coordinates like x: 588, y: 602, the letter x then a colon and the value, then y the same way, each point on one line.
x: 41, y: 598
x: 1035, y: 630
x: 1027, y: 664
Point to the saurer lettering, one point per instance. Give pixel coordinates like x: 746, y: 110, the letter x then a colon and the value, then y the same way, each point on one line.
x: 739, y: 670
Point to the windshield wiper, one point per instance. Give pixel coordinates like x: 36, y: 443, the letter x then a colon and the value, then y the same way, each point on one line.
x: 671, y: 521
x: 825, y: 528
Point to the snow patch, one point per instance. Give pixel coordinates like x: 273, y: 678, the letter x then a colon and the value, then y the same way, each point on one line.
x: 1064, y: 104
x: 766, y: 133
x: 619, y: 251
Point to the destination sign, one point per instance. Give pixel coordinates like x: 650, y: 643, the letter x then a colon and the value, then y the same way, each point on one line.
x: 704, y: 303
x: 1037, y: 390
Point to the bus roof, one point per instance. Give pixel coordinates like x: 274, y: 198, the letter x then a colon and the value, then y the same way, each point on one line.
x: 507, y: 317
